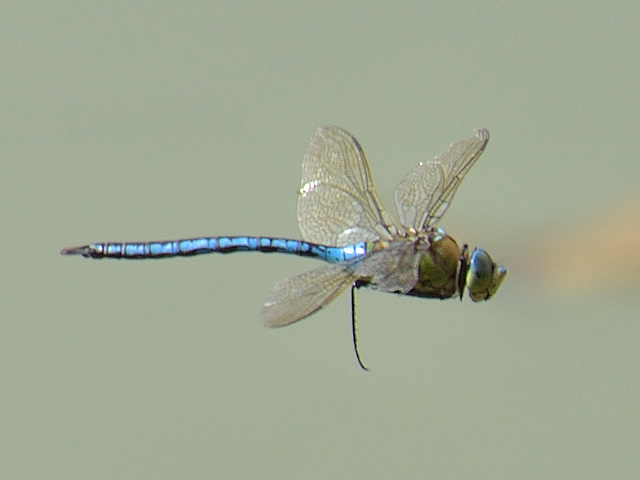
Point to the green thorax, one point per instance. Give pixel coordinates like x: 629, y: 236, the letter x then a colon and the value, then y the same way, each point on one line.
x: 439, y: 268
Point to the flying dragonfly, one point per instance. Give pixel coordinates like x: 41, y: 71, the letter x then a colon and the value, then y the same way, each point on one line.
x: 343, y: 222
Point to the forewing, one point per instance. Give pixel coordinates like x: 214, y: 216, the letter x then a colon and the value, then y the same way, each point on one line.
x: 298, y: 297
x: 338, y: 204
x: 424, y: 195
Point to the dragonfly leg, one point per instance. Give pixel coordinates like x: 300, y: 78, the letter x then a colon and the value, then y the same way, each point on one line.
x: 354, y: 327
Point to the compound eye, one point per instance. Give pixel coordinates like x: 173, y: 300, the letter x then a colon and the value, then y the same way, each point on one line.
x: 479, y: 274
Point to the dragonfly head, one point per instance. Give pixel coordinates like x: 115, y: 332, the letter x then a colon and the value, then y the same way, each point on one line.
x: 483, y: 278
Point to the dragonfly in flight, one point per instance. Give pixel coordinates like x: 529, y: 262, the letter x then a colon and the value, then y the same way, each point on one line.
x: 343, y: 222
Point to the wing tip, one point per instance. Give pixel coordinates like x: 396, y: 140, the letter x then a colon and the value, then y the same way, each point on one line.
x: 483, y: 134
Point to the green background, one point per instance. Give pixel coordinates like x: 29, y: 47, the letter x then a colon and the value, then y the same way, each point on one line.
x: 155, y: 120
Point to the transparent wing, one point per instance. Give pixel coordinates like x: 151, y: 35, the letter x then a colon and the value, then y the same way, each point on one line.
x: 391, y: 270
x: 426, y: 192
x: 298, y: 297
x: 394, y: 269
x: 338, y: 203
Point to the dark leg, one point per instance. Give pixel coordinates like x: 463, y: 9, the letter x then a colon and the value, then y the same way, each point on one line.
x: 354, y: 328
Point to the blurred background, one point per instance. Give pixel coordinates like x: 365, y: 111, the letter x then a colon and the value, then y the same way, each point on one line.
x: 155, y: 120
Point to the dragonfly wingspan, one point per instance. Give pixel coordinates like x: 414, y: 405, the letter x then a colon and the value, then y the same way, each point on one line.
x: 338, y: 203
x: 426, y: 192
x: 339, y: 207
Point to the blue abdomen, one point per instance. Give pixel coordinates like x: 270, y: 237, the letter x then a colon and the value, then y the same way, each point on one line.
x: 204, y: 245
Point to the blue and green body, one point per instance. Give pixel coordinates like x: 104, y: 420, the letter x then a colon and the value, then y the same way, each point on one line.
x: 343, y: 222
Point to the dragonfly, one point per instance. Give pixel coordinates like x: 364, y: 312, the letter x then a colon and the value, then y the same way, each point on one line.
x: 343, y: 222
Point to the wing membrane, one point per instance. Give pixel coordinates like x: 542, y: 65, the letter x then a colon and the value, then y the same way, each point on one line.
x: 426, y: 192
x: 391, y: 270
x: 338, y: 203
x: 296, y: 298
x: 394, y: 269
